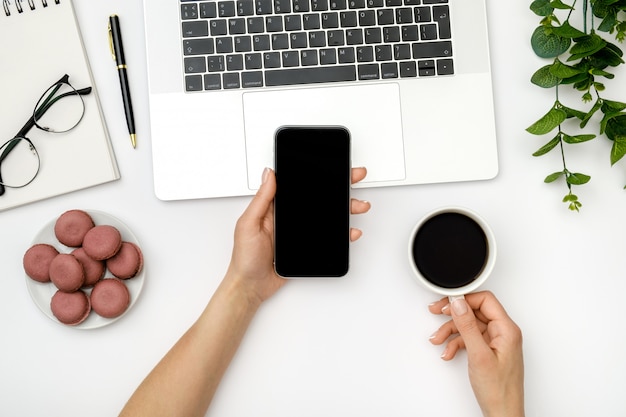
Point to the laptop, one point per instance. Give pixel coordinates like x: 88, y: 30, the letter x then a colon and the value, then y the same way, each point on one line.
x: 410, y: 80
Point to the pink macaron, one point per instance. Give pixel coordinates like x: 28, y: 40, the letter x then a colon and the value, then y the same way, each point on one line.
x: 37, y: 260
x: 94, y: 270
x: 71, y: 227
x: 110, y: 298
x: 127, y: 262
x: 102, y: 242
x: 66, y: 272
x: 70, y: 308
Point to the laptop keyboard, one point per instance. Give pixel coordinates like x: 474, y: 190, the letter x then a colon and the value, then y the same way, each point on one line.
x: 232, y: 44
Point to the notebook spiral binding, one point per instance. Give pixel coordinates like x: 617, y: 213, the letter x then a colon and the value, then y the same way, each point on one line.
x: 6, y: 5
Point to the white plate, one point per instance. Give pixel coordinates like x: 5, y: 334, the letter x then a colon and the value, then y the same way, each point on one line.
x: 42, y: 293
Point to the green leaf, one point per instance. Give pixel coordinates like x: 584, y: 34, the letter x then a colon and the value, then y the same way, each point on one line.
x: 558, y: 4
x: 548, y: 122
x: 595, y: 108
x: 577, y: 138
x: 586, y: 46
x: 615, y: 126
x: 570, y: 197
x: 541, y: 7
x: 601, y: 73
x: 548, y: 45
x: 560, y: 70
x: 567, y: 31
x: 610, y: 106
x: 548, y: 146
x: 574, y: 113
x: 619, y: 149
x: 544, y: 78
x: 553, y: 177
x: 578, y: 179
x: 608, y: 116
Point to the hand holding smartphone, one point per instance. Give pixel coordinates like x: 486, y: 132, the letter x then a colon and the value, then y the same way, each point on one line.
x: 312, y: 202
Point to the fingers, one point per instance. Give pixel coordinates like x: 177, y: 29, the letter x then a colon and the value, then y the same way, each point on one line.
x: 262, y: 201
x: 359, y: 206
x: 358, y: 174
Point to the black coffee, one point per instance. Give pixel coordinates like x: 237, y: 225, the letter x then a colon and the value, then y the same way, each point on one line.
x: 450, y: 250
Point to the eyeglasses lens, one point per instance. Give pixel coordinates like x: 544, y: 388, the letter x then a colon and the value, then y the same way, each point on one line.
x: 59, y: 109
x: 20, y: 164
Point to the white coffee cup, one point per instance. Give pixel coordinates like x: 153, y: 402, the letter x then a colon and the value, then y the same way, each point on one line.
x: 452, y: 251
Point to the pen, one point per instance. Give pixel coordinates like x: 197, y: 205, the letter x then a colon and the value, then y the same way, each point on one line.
x: 117, y: 50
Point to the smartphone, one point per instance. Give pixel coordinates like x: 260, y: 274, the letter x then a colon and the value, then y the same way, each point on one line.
x: 312, y: 203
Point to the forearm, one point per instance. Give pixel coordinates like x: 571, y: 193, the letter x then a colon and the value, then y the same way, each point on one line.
x: 184, y: 382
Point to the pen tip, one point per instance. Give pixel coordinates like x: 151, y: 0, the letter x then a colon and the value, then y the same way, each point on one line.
x: 133, y: 140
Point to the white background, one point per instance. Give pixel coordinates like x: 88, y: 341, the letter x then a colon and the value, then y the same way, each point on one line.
x: 356, y: 346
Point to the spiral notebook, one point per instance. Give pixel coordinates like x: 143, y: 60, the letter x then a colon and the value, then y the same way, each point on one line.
x: 41, y: 42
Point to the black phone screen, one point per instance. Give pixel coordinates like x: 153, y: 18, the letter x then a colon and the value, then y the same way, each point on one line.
x: 312, y: 203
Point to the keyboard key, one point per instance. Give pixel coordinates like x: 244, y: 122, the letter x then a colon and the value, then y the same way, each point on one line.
x: 319, y: 5
x: 422, y: 14
x: 226, y: 8
x: 212, y: 82
x: 354, y: 36
x: 385, y: 17
x: 216, y: 63
x: 218, y: 27
x: 426, y: 68
x: 410, y: 33
x: 432, y: 50
x: 367, y: 17
x: 245, y: 8
x: 368, y: 72
x: 330, y: 20
x: 311, y: 21
x: 189, y: 11
x: 198, y: 46
x: 408, y: 69
x: 389, y: 70
x: 328, y: 56
x: 208, y: 10
x: 196, y: 28
x: 434, y: 1
x: 346, y: 55
x: 293, y: 22
x: 271, y: 60
x: 308, y: 57
x: 383, y: 52
x: 375, y: 3
x: 195, y: 65
x: 231, y: 80
x: 428, y: 32
x: 224, y: 45
x: 234, y: 62
x: 300, y: 6
x: 298, y: 40
x: 348, y: 19
x: 243, y: 43
x: 263, y: 7
x: 312, y: 75
x: 290, y: 58
x: 442, y: 17
x: 252, y: 79
x: 338, y: 4
x: 364, y: 54
x: 261, y: 42
x: 237, y: 26
x: 280, y: 41
x: 253, y: 61
x: 391, y: 34
x: 445, y: 67
x: 274, y: 23
x: 404, y: 15
x: 356, y: 4
x: 317, y: 39
x: 282, y: 6
x: 401, y: 51
x: 373, y: 35
x: 255, y: 25
x: 193, y: 83
x: 336, y: 38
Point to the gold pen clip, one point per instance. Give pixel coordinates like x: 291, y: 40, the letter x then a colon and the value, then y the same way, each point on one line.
x: 111, y: 43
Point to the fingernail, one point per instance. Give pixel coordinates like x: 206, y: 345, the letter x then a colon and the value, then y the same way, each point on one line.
x: 432, y: 336
x: 444, y: 354
x: 445, y: 308
x: 460, y: 306
x: 266, y: 172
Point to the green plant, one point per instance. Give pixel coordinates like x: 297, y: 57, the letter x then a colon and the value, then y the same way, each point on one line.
x: 581, y: 58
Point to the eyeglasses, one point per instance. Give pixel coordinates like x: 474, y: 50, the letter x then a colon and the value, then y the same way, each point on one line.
x: 19, y: 159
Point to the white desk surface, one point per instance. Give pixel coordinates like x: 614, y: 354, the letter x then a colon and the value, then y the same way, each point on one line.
x: 356, y: 346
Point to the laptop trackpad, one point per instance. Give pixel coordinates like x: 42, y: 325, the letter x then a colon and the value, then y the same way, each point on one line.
x: 370, y: 112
